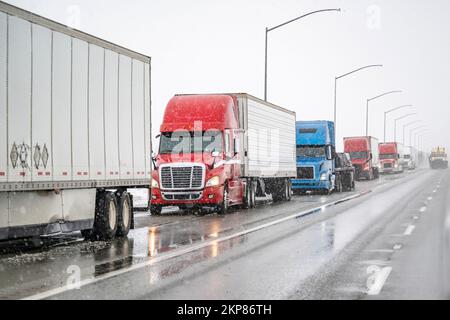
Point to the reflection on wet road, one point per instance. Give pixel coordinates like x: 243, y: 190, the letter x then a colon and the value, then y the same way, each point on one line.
x: 157, y: 246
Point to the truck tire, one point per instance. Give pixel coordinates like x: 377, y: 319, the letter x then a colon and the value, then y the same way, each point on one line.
x: 223, y: 207
x: 377, y: 174
x: 106, y: 216
x: 288, y: 190
x: 155, y: 210
x: 250, y: 195
x: 339, y: 184
x: 125, y: 215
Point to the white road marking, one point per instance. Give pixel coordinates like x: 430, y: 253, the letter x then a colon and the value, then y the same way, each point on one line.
x: 374, y: 262
x: 409, y: 230
x: 182, y: 251
x: 398, y: 246
x: 423, y: 209
x: 430, y: 198
x: 378, y: 280
x: 416, y: 218
x: 379, y: 251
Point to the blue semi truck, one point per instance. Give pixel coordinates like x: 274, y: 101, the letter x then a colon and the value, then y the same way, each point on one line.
x: 319, y: 167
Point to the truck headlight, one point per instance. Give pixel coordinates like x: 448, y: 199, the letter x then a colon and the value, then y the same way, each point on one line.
x: 155, y: 184
x: 396, y: 166
x: 324, y: 176
x: 213, y: 182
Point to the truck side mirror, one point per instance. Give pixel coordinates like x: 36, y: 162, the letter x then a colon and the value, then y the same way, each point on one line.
x: 158, y: 136
x: 237, y: 146
x: 330, y: 155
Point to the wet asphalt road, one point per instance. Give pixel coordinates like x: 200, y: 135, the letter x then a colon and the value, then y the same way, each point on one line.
x: 389, y: 241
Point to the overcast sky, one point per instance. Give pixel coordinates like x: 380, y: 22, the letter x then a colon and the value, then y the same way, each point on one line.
x: 206, y: 46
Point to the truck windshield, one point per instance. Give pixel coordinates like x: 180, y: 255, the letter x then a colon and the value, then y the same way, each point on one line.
x: 384, y: 156
x: 184, y: 142
x: 311, y: 152
x: 360, y: 155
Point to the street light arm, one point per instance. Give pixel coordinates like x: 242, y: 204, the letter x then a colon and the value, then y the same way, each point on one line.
x: 401, y: 107
x: 384, y: 94
x: 411, y: 123
x: 406, y: 116
x: 360, y: 69
x: 298, y: 18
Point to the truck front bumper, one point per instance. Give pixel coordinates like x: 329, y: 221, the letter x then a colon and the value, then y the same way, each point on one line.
x: 207, y: 197
x: 298, y: 184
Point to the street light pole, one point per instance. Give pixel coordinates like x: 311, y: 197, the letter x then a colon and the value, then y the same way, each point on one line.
x: 413, y: 130
x: 418, y: 134
x: 367, y: 107
x: 398, y: 119
x: 392, y: 110
x: 279, y: 26
x: 406, y: 126
x: 335, y: 88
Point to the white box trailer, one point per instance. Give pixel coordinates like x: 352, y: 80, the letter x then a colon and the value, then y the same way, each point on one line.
x: 269, y: 141
x: 74, y: 122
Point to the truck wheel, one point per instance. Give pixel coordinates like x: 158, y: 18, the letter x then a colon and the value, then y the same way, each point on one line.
x: 155, y: 210
x: 125, y: 215
x: 288, y: 190
x: 106, y: 216
x: 339, y: 185
x: 250, y: 194
x: 223, y: 207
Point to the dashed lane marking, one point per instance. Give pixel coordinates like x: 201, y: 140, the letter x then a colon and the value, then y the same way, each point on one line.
x: 377, y: 280
x: 409, y: 230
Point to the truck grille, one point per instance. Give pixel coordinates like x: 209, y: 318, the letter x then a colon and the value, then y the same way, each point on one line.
x: 183, y: 178
x: 387, y: 165
x: 305, y: 173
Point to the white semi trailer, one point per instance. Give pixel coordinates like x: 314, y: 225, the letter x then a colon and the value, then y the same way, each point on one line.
x: 75, y: 129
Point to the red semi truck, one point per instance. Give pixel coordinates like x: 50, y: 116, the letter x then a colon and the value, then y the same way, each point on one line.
x: 391, y: 157
x: 364, y: 156
x: 223, y: 150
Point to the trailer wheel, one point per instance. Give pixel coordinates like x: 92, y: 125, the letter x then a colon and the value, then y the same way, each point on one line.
x: 125, y: 215
x: 250, y: 194
x: 106, y: 216
x: 288, y: 190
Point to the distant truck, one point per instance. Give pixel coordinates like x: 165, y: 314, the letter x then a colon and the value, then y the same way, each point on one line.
x: 223, y: 150
x: 364, y: 155
x: 438, y: 158
x: 317, y: 160
x: 411, y: 158
x: 74, y: 129
x: 391, y: 157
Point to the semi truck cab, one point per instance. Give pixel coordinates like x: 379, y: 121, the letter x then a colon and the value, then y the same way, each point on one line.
x: 364, y: 155
x: 198, y: 163
x: 391, y: 157
x: 315, y: 157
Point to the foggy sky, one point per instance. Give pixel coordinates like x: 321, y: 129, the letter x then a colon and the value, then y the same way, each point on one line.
x: 212, y: 46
